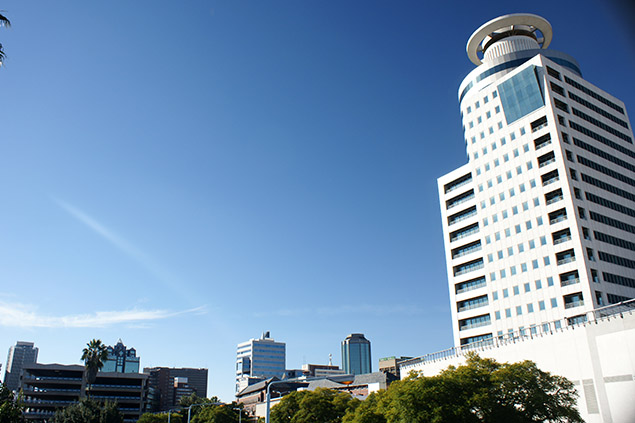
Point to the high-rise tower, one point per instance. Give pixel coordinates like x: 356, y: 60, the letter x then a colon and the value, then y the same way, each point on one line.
x: 259, y: 358
x: 539, y: 224
x: 21, y: 354
x: 356, y: 354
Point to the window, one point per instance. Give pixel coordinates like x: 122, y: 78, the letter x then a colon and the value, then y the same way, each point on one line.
x: 497, y: 109
x: 516, y: 290
x: 512, y: 192
x: 549, y: 281
x: 503, y: 273
x: 532, y: 183
x: 546, y: 260
x: 498, y: 315
x: 532, y: 244
x: 521, y: 248
x: 495, y: 295
x: 480, y: 187
x: 489, y: 183
x: 469, y: 109
x: 534, y: 264
x: 518, y: 229
x: 519, y: 170
x: 554, y: 303
x: 525, y: 206
x: 526, y: 148
x: 492, y: 276
x: 494, y: 218
x: 523, y: 267
x: 527, y: 287
x: 499, y: 179
x: 497, y: 236
x: 530, y: 308
x: 522, y: 131
x: 482, y: 134
x: 519, y: 310
x: 508, y: 312
x: 512, y: 136
x: 477, y: 105
x: 514, y: 210
x: 581, y: 213
x: 539, y: 221
x: 488, y: 115
x: 512, y: 270
x: 536, y: 202
x: 508, y: 174
x: 505, y: 293
x: 543, y: 240
x: 521, y: 186
x: 528, y: 224
x: 515, y: 152
x: 541, y: 305
x: 503, y: 142
x: 569, y: 155
x: 529, y: 165
x: 510, y: 251
x: 473, y: 140
x: 538, y: 284
x: 486, y: 100
x: 490, y: 258
x: 507, y: 233
x: 504, y: 213
x: 496, y: 162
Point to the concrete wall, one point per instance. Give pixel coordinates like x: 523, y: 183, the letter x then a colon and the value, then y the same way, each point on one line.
x: 598, y: 357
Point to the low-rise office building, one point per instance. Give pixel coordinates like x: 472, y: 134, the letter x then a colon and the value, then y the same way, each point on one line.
x: 49, y: 387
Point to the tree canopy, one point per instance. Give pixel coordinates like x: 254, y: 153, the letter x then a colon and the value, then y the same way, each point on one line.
x: 3, y: 22
x: 94, y: 356
x: 481, y: 391
x: 319, y: 406
x: 10, y: 407
x: 89, y: 411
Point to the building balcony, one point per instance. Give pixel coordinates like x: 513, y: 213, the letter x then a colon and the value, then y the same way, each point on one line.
x: 573, y: 304
x: 547, y: 162
x: 555, y: 199
x: 566, y: 260
x: 561, y: 240
x: 558, y: 219
x: 570, y: 281
x: 550, y: 181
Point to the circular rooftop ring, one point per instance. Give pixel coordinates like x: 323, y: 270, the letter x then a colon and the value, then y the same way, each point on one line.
x: 525, y: 22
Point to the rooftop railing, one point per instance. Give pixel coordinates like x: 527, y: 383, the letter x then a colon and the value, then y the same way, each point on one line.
x: 544, y: 329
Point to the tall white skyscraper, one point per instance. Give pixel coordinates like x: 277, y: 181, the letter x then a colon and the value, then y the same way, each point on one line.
x: 259, y: 359
x: 539, y: 225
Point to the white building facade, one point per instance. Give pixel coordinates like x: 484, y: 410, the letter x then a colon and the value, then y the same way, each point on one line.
x: 259, y: 359
x: 539, y: 225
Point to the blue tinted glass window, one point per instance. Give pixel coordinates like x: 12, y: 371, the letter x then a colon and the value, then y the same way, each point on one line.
x: 520, y: 95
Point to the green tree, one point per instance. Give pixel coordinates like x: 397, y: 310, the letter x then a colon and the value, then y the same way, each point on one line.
x: 319, y: 406
x: 89, y: 411
x: 481, y: 391
x: 225, y: 413
x: 6, y: 23
x: 10, y: 407
x: 94, y: 356
x: 159, y: 418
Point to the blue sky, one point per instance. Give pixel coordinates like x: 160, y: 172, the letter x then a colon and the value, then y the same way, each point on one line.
x: 187, y: 175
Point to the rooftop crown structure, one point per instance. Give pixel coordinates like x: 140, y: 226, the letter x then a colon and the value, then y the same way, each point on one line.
x: 539, y: 224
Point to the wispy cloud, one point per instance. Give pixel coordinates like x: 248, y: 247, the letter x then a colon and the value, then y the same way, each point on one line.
x: 368, y: 309
x: 26, y: 316
x: 134, y: 253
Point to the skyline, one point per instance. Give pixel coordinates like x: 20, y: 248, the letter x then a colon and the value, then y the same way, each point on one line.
x: 294, y: 162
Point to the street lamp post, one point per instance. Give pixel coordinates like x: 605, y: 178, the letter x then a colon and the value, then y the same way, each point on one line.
x: 170, y: 411
x: 276, y: 382
x: 189, y: 409
x: 240, y: 415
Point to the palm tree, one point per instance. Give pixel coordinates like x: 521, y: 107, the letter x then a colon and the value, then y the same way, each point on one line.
x: 94, y: 356
x: 3, y: 22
